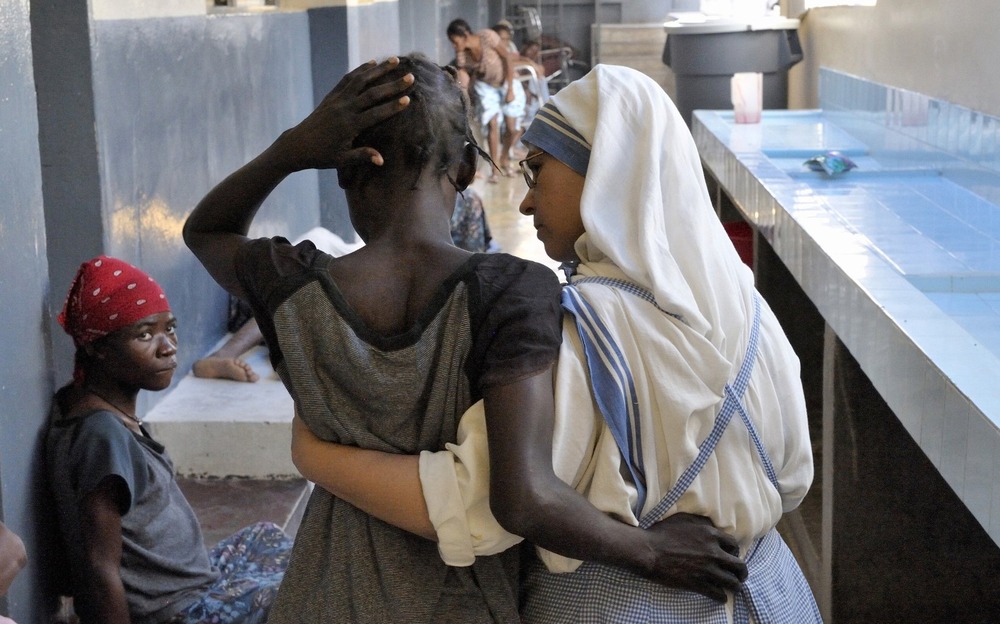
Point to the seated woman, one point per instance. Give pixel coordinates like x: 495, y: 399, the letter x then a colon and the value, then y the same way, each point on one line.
x: 135, y: 548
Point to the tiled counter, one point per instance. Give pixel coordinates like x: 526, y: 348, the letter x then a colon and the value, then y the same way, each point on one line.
x: 901, y: 257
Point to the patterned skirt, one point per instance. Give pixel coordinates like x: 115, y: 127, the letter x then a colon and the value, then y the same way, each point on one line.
x: 251, y: 564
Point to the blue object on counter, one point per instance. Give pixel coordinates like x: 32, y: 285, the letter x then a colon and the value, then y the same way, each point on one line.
x: 832, y: 163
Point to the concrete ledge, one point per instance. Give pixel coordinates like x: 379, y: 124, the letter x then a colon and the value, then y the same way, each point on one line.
x: 222, y: 428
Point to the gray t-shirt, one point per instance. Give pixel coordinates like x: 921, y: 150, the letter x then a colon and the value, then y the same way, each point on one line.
x: 165, y: 566
x: 496, y: 319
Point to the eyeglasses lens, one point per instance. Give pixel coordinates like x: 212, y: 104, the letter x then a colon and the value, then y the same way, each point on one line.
x: 529, y: 175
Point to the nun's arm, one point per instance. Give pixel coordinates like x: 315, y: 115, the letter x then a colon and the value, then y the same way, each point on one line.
x: 529, y: 500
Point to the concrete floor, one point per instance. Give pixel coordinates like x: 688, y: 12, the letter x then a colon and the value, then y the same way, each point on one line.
x: 225, y: 505
x: 511, y: 230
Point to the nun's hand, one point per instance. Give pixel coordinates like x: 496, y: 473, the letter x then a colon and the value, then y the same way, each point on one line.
x: 695, y: 556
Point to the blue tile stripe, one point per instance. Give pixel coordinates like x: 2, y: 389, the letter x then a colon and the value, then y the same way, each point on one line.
x: 944, y: 125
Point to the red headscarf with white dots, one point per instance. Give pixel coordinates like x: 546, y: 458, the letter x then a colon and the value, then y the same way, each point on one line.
x: 108, y: 294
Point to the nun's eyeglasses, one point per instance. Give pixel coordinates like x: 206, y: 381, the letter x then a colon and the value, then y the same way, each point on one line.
x: 530, y: 175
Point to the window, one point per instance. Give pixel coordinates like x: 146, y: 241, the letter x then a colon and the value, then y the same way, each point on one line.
x: 243, y: 3
x: 796, y: 8
x: 812, y: 4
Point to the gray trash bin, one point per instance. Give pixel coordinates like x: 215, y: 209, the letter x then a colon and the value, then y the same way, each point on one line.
x: 705, y: 55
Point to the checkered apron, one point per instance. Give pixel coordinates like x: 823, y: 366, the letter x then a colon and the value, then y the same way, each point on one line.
x: 775, y: 592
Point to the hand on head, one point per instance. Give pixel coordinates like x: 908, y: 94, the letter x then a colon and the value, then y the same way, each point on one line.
x: 323, y: 140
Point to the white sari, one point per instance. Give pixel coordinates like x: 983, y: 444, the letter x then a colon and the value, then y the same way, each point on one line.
x: 649, y: 221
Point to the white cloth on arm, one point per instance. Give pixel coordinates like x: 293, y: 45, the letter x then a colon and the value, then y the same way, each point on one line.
x: 329, y: 242
x: 491, y: 103
x: 654, y: 225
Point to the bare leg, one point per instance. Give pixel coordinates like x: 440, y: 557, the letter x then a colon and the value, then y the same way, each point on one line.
x: 510, y: 138
x: 226, y: 362
x: 493, y: 138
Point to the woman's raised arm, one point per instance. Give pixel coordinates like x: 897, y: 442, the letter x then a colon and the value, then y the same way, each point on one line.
x: 218, y: 226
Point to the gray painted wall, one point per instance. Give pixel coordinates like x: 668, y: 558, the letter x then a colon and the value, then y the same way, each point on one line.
x: 334, y: 52
x: 644, y: 11
x: 60, y: 33
x: 179, y: 104
x: 137, y: 130
x: 380, y: 22
x: 329, y: 61
x: 24, y: 368
x: 419, y: 29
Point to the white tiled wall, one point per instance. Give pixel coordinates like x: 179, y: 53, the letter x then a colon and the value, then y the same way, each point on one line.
x: 859, y: 250
x: 942, y: 125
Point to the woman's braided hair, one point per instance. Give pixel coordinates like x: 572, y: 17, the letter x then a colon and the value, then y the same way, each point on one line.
x: 432, y: 130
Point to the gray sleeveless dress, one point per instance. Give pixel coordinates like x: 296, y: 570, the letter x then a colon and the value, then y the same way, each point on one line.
x: 495, y: 320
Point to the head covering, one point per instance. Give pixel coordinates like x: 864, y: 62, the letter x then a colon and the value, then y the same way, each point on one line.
x: 648, y: 219
x: 549, y: 131
x: 645, y: 206
x: 108, y: 294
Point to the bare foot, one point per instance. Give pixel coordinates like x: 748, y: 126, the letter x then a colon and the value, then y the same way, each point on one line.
x: 212, y: 367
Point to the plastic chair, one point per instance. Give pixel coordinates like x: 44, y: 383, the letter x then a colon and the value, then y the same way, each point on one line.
x: 569, y: 68
x: 536, y: 87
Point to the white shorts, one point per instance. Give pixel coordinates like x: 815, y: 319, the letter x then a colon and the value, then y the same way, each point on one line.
x: 491, y: 102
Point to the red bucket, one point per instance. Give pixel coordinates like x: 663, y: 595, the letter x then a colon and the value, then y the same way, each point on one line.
x: 741, y: 234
